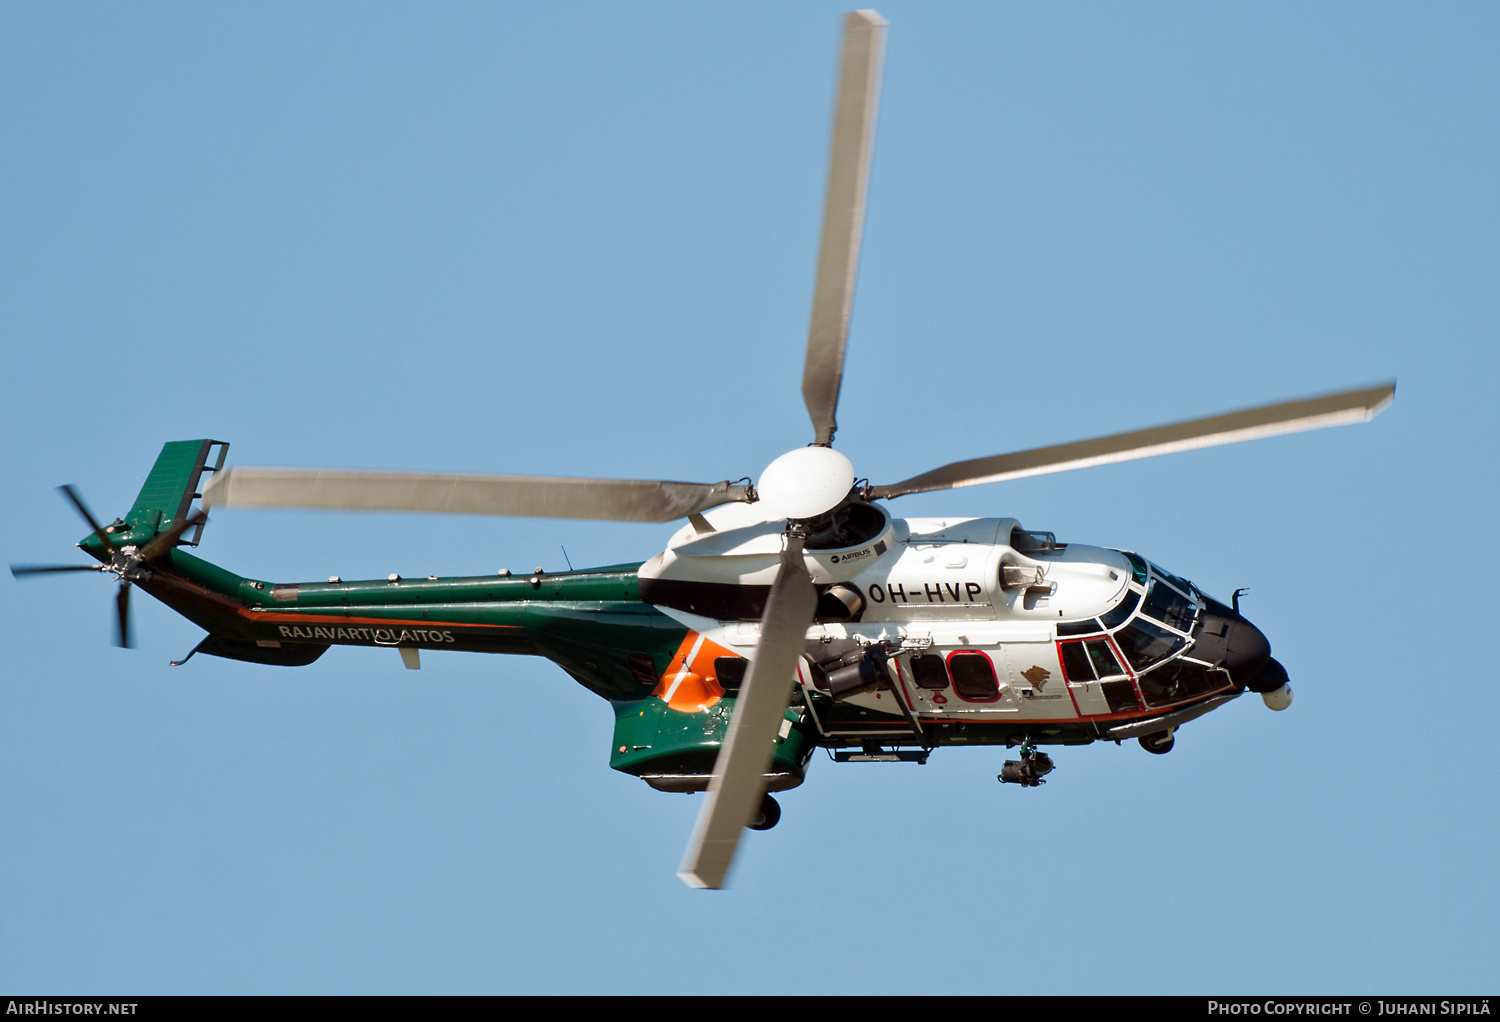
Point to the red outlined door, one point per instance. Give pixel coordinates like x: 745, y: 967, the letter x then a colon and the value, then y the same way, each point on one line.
x: 924, y: 674
x: 1097, y: 677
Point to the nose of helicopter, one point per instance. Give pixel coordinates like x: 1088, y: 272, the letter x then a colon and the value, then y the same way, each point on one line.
x: 1227, y: 638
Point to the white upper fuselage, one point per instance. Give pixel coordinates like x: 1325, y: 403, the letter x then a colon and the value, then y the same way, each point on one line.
x: 916, y: 569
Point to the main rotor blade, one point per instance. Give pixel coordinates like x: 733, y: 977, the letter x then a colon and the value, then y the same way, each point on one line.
x: 71, y: 494
x: 620, y: 500
x: 739, y: 772
x: 122, y: 607
x: 23, y: 570
x: 843, y: 217
x: 1340, y: 409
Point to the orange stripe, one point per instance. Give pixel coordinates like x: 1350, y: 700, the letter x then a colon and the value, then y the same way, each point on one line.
x: 261, y: 615
x: 257, y: 614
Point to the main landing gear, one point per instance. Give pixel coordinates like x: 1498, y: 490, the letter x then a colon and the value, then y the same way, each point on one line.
x: 767, y: 816
x: 1028, y: 771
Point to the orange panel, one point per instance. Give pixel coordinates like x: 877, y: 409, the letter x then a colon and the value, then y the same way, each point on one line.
x: 690, y: 683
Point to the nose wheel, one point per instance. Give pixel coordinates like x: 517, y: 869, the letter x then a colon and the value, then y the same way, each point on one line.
x: 1160, y: 743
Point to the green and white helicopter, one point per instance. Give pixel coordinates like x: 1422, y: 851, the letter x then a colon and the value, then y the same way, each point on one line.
x: 785, y: 616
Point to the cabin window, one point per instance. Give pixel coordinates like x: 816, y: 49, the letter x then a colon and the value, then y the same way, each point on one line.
x: 643, y: 668
x: 974, y: 677
x: 730, y: 671
x: 929, y: 672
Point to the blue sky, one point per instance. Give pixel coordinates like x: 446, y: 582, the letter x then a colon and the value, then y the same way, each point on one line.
x: 579, y: 240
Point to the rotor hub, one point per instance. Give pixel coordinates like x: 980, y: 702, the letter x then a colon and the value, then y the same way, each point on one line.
x: 805, y: 483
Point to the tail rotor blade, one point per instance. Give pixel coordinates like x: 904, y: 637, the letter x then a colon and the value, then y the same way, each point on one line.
x: 71, y: 494
x: 739, y: 773
x: 122, y: 607
x: 843, y: 217
x: 167, y: 540
x: 27, y: 570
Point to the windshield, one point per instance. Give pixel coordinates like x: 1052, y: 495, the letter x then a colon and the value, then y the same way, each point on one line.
x: 1145, y: 643
x: 1150, y: 628
x: 1154, y: 620
x: 1167, y: 605
x: 1182, y: 584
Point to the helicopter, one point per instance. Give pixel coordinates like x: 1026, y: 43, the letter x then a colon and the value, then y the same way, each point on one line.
x: 785, y: 615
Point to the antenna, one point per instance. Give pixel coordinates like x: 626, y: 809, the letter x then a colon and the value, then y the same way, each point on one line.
x: 565, y: 557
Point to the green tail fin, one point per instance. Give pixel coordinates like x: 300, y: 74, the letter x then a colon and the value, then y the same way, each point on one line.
x: 172, y: 486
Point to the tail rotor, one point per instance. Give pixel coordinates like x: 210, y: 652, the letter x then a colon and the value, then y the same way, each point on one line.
x: 129, y: 563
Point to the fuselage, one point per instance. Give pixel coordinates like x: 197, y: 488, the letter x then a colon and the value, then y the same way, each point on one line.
x: 978, y: 622
x: 930, y: 632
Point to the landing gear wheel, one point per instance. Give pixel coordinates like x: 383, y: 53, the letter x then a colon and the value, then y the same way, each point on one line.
x: 1160, y: 743
x: 767, y: 816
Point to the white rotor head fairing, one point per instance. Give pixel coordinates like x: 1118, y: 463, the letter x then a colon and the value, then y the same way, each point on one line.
x: 805, y: 483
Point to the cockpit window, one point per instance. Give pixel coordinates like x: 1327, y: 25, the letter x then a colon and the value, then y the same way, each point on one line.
x: 1103, y: 658
x: 1117, y: 617
x: 1181, y: 680
x: 1180, y: 583
x: 1089, y: 661
x: 1169, y: 607
x: 1120, y: 695
x: 1144, y: 643
x: 1075, y: 662
x: 1089, y: 627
